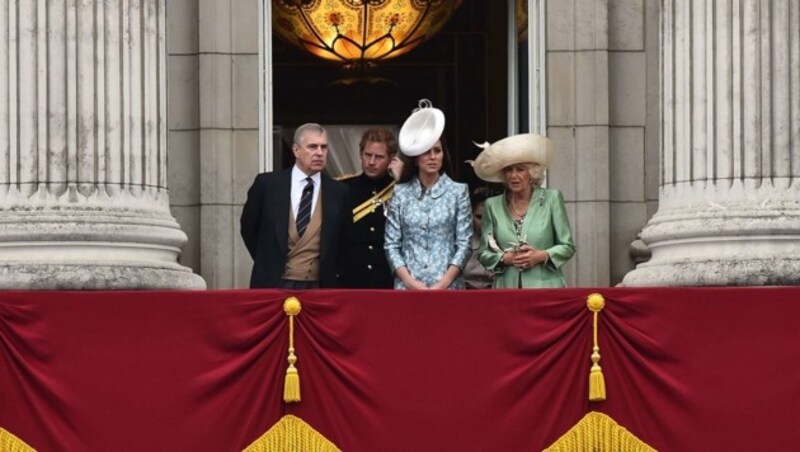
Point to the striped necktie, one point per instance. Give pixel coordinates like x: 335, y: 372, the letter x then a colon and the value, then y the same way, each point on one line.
x: 304, y: 212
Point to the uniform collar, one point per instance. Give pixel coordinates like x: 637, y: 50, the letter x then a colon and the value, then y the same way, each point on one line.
x: 379, y: 184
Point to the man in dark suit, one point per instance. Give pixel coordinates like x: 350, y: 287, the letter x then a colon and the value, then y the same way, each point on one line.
x: 296, y: 221
x: 371, y: 190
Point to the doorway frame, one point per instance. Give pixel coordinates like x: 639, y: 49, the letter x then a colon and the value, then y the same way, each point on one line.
x: 536, y: 79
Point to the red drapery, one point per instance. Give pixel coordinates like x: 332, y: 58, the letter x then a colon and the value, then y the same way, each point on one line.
x: 685, y: 369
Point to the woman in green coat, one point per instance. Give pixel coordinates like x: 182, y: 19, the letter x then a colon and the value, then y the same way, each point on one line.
x: 526, y: 238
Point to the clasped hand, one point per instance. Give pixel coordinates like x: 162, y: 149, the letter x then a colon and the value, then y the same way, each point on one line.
x: 524, y: 257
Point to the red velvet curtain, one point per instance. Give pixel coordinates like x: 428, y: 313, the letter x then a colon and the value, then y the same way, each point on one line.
x: 685, y: 369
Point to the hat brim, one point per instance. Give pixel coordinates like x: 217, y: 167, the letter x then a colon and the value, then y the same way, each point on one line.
x: 421, y: 131
x: 524, y: 148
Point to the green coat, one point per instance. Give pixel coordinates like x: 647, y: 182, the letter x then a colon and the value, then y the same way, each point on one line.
x: 546, y: 227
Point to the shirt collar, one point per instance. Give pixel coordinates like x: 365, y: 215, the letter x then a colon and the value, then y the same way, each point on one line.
x: 436, y: 190
x: 299, y: 176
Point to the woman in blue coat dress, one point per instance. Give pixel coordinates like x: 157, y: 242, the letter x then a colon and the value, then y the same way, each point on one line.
x: 429, y: 224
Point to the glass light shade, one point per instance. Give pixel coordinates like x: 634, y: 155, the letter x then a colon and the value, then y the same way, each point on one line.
x: 359, y: 31
x: 522, y: 20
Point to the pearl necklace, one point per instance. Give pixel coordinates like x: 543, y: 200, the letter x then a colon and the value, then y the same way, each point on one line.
x: 521, y: 215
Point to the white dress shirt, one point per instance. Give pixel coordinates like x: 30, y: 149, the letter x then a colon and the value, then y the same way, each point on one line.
x: 298, y: 184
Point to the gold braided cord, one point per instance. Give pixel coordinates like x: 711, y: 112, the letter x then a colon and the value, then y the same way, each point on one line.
x: 369, y: 206
x: 291, y: 385
x: 292, y: 434
x: 369, y: 202
x: 597, y: 432
x: 597, y: 383
x: 346, y: 176
x: 10, y: 443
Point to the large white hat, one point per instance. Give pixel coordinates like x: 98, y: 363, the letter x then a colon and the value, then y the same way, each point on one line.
x: 421, y: 130
x: 523, y: 148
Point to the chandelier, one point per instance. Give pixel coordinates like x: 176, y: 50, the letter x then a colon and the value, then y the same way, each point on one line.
x: 522, y: 20
x: 359, y: 32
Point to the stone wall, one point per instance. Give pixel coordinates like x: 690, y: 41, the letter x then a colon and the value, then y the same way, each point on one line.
x: 578, y: 123
x: 213, y: 130
x: 602, y: 60
x: 634, y: 119
x: 183, y: 124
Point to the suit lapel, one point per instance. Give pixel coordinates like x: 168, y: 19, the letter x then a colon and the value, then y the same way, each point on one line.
x: 283, y: 202
x: 328, y: 213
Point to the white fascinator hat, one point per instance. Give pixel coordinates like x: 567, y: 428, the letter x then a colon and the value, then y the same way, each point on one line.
x: 421, y: 130
x: 523, y: 148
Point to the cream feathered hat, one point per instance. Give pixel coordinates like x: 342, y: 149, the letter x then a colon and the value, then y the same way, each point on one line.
x: 421, y: 130
x: 523, y: 148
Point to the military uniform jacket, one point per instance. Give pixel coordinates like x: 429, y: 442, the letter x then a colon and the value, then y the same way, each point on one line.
x: 366, y: 266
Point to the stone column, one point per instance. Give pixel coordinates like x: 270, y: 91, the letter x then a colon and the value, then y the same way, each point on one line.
x: 729, y: 201
x: 83, y: 197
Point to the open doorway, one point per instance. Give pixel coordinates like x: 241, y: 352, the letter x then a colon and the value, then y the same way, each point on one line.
x: 463, y: 70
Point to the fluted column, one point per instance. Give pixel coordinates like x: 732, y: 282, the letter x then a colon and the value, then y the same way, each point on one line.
x: 729, y: 201
x: 83, y: 197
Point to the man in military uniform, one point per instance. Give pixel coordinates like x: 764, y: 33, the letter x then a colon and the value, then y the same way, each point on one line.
x: 367, y: 267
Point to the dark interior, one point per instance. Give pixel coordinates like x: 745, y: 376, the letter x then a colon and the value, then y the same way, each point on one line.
x: 462, y: 70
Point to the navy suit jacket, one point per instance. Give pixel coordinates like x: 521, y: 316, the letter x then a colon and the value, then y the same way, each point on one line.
x: 265, y: 227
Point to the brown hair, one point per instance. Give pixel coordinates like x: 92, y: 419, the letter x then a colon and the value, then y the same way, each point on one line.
x: 410, y: 169
x: 379, y: 135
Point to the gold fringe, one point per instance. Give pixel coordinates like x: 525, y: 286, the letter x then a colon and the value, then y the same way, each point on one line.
x: 292, y: 434
x: 597, y: 432
x: 10, y: 443
x: 291, y: 385
x: 597, y: 382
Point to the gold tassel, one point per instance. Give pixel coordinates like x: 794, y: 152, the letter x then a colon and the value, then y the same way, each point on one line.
x: 10, y: 443
x: 291, y: 385
x: 597, y: 383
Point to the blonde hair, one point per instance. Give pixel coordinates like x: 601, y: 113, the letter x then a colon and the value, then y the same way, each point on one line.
x: 537, y: 174
x: 535, y: 171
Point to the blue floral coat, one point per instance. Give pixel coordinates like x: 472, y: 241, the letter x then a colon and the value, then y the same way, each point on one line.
x: 428, y: 231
